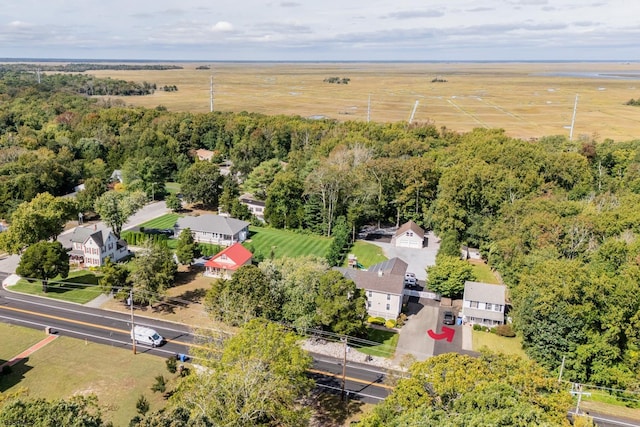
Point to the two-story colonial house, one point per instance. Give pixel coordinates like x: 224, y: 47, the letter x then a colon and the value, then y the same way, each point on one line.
x: 484, y: 303
x: 383, y: 284
x: 91, y: 247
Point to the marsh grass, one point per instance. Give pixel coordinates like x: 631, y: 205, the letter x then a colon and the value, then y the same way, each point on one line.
x: 517, y: 97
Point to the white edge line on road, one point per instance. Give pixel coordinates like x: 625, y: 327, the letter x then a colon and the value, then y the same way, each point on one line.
x: 612, y: 421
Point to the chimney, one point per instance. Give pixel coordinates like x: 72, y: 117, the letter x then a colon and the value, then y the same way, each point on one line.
x: 95, y: 227
x: 379, y: 273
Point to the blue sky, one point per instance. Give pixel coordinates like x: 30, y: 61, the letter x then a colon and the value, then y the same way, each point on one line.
x: 322, y: 30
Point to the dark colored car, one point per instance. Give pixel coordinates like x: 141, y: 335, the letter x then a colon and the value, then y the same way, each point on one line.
x: 449, y: 318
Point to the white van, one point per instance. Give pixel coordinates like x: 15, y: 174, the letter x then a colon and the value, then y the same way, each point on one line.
x: 144, y: 335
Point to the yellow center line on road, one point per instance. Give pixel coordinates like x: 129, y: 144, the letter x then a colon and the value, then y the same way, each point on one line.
x: 357, y: 380
x: 126, y: 332
x: 92, y: 325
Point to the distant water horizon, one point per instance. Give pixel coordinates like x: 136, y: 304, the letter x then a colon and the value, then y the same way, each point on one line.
x: 278, y: 61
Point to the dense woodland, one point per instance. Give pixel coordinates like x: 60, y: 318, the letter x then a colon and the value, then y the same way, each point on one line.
x: 558, y: 219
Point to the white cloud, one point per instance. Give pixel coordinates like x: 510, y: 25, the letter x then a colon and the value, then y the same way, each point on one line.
x: 331, y: 29
x: 222, y: 27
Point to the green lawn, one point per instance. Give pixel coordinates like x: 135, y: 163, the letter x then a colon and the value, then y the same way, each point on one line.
x: 17, y: 340
x: 162, y: 222
x: 286, y: 243
x: 498, y: 344
x: 387, y: 342
x: 69, y: 366
x: 79, y: 287
x: 172, y: 187
x: 484, y: 274
x: 368, y: 254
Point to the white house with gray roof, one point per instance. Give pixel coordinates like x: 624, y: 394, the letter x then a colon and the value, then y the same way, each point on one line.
x: 484, y: 303
x: 91, y: 246
x: 383, y: 284
x: 214, y: 229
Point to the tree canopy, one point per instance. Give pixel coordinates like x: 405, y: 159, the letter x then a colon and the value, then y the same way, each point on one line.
x: 255, y: 378
x: 453, y: 389
x: 44, y: 261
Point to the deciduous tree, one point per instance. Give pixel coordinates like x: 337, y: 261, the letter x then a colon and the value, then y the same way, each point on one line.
x: 153, y: 274
x: 116, y: 207
x: 340, y: 305
x: 42, y: 218
x: 454, y: 389
x: 201, y: 183
x: 258, y: 379
x: 44, y: 261
x: 447, y: 277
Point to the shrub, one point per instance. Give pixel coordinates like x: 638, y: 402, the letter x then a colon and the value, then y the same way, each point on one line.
x: 477, y: 327
x: 142, y: 405
x: 505, y: 331
x: 160, y: 385
x: 376, y: 320
x: 492, y: 330
x: 172, y: 364
x: 402, y: 319
x: 390, y: 323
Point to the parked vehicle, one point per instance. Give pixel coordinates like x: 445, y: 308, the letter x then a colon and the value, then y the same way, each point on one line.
x: 410, y: 280
x: 449, y: 318
x: 144, y: 335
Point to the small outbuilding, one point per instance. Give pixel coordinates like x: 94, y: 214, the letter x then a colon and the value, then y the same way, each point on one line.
x: 409, y: 235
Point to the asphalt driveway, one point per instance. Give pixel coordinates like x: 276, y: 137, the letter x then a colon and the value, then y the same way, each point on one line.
x: 417, y: 259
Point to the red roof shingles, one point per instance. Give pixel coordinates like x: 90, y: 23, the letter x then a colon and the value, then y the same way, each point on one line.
x: 231, y: 258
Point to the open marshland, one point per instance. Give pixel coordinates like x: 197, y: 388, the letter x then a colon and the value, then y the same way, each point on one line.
x: 528, y: 100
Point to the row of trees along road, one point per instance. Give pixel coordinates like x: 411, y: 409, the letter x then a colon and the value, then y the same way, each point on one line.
x: 559, y: 219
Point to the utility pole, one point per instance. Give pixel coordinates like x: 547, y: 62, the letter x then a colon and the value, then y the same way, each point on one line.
x: 561, y: 369
x: 344, y: 366
x: 369, y: 109
x: 573, y: 120
x: 413, y: 112
x: 211, y: 94
x: 577, y: 389
x: 133, y: 335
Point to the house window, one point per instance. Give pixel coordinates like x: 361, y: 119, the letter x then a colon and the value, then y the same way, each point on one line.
x: 497, y: 307
x: 370, y: 294
x: 409, y: 233
x: 388, y: 297
x: 474, y: 304
x: 489, y: 307
x: 368, y: 304
x: 388, y: 306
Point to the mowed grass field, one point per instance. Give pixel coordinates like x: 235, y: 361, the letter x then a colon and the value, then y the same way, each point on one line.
x: 68, y: 366
x: 285, y: 243
x: 80, y: 287
x: 528, y: 100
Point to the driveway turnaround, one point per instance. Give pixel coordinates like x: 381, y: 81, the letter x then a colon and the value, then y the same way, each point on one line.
x: 413, y: 340
x: 417, y: 259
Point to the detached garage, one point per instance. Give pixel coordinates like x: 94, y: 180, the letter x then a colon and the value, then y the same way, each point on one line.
x: 409, y: 235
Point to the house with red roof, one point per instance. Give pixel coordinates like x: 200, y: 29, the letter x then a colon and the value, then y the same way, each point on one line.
x: 226, y: 262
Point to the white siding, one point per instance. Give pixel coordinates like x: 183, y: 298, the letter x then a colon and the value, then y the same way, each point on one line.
x: 383, y: 305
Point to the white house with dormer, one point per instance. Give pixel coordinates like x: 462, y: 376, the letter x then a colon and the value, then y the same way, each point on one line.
x: 91, y: 246
x: 383, y: 284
